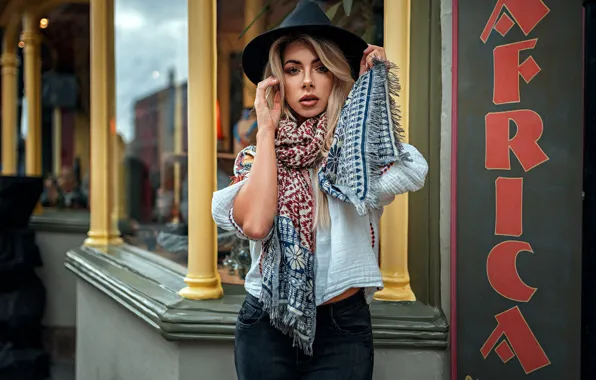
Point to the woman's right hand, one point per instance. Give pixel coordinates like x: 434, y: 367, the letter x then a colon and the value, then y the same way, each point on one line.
x: 255, y: 206
x: 267, y: 119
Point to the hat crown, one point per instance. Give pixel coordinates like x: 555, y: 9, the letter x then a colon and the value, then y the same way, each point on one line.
x: 307, y: 18
x: 307, y: 12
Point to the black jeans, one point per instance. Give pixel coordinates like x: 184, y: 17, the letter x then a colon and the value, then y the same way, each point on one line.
x: 343, y: 347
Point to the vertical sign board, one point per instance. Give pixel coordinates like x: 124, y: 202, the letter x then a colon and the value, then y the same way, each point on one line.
x: 518, y: 192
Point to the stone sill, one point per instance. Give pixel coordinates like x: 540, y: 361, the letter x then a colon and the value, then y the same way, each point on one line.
x: 147, y: 285
x: 68, y: 221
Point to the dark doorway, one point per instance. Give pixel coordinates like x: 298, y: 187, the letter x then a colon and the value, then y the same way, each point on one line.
x: 589, y: 205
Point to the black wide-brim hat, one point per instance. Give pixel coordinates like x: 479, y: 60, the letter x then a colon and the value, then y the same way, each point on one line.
x: 307, y: 18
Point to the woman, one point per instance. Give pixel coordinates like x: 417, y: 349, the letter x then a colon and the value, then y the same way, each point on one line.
x: 329, y: 158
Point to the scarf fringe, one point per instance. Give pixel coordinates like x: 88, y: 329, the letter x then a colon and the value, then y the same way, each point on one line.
x: 384, y: 113
x: 280, y: 317
x: 285, y: 321
x: 394, y: 88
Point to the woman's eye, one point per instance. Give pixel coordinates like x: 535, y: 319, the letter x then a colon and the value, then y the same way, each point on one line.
x: 292, y: 70
x: 322, y: 69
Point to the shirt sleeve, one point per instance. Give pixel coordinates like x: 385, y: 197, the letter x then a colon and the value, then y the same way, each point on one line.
x: 222, y: 203
x: 406, y: 175
x: 222, y: 208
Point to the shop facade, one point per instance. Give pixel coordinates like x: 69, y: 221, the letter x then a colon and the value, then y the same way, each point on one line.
x: 141, y: 272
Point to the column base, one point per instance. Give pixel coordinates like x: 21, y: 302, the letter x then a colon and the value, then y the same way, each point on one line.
x: 102, y: 241
x: 202, y: 288
x: 395, y: 290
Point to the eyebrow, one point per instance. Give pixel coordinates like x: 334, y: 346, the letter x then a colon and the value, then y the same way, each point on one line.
x: 299, y: 63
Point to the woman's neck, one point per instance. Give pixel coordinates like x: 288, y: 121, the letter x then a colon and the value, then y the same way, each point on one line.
x: 301, y: 119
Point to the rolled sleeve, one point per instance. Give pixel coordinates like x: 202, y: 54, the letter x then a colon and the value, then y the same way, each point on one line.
x: 408, y: 174
x: 222, y: 208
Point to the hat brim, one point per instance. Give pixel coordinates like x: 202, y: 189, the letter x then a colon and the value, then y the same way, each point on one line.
x: 256, y: 53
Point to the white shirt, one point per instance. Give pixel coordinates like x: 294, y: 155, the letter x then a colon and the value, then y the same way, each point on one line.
x: 347, y: 253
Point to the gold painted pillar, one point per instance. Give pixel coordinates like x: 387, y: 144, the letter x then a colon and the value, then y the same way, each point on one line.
x: 31, y: 56
x: 57, y: 134
x: 103, y: 229
x: 394, y: 224
x: 10, y: 74
x: 251, y: 11
x: 202, y: 279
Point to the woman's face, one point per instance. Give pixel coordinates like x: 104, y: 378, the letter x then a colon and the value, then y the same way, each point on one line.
x: 308, y: 83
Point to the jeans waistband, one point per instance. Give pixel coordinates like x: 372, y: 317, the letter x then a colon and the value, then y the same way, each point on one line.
x: 352, y: 302
x: 356, y: 300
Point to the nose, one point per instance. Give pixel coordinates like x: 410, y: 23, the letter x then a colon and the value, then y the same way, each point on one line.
x: 307, y: 82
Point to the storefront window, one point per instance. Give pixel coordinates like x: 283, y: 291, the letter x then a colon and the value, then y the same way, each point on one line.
x: 151, y: 44
x: 65, y: 109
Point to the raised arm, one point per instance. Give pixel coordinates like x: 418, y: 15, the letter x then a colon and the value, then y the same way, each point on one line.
x: 255, y: 205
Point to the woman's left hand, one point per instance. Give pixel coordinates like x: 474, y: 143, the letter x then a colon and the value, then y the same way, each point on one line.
x: 372, y: 51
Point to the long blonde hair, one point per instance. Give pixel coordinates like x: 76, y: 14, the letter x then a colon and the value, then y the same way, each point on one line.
x: 335, y: 61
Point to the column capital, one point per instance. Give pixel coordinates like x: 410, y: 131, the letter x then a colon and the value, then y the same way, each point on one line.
x: 9, y: 60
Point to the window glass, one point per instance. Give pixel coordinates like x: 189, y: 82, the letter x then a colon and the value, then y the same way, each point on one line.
x: 151, y: 45
x: 65, y: 111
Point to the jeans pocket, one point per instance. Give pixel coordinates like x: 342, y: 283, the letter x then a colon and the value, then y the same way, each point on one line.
x: 250, y: 314
x: 355, y: 321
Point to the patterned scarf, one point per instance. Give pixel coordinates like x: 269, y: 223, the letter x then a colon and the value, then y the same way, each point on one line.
x: 287, y: 260
x: 366, y: 139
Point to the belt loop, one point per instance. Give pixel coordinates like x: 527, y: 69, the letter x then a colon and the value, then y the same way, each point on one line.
x: 331, y: 311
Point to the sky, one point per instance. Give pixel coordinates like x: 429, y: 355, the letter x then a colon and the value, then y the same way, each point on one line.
x: 151, y: 38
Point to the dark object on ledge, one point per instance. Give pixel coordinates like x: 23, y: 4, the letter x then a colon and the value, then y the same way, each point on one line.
x: 18, y: 197
x: 22, y: 294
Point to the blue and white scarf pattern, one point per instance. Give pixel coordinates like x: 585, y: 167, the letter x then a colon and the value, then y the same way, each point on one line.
x: 367, y: 139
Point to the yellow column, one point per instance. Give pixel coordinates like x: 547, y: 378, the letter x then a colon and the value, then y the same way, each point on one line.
x: 251, y: 11
x: 31, y: 56
x: 394, y: 224
x: 202, y: 279
x: 57, y: 140
x: 10, y: 73
x: 103, y: 230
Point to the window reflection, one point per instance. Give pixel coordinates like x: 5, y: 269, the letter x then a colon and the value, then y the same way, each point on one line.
x: 151, y: 87
x: 64, y: 48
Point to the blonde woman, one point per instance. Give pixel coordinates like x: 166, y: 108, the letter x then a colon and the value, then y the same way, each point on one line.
x: 310, y: 196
